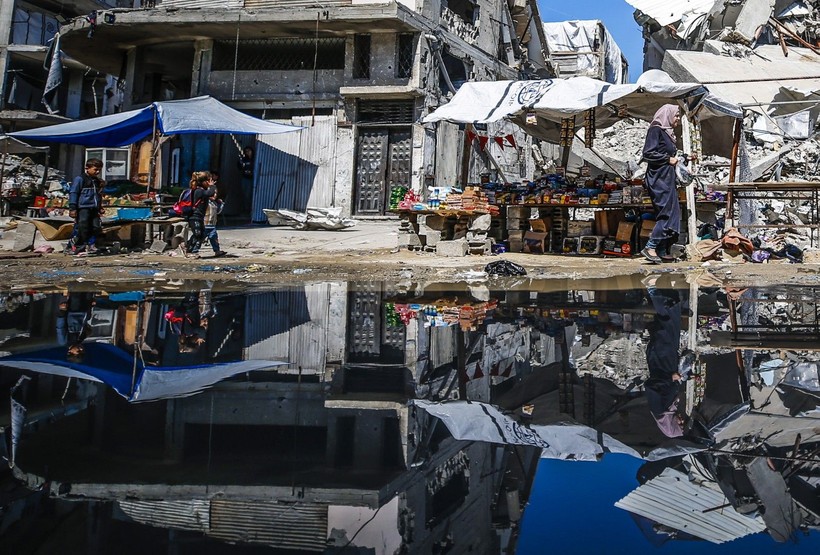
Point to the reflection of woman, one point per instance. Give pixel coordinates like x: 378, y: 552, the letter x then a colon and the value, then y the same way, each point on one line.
x: 187, y: 321
x: 659, y: 152
x: 662, y: 389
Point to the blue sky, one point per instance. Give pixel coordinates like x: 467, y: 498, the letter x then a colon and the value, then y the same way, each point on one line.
x: 617, y: 17
x: 571, y: 511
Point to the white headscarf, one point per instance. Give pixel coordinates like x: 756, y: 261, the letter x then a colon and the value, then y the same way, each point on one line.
x: 665, y: 117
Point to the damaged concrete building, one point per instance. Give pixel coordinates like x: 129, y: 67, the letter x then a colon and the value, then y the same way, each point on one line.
x: 27, y: 30
x: 357, y: 75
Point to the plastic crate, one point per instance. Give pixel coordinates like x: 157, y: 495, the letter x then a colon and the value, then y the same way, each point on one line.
x: 133, y: 213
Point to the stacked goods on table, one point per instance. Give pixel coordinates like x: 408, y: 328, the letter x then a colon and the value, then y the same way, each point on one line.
x: 472, y: 200
x: 556, y: 189
x: 443, y: 313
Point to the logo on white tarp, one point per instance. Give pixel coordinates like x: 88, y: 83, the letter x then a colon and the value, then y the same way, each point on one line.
x: 533, y: 91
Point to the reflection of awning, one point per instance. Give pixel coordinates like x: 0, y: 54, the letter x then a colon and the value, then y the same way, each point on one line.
x: 113, y: 366
x: 195, y: 115
x: 552, y: 100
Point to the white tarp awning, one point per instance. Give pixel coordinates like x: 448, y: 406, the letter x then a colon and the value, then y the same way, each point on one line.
x: 551, y: 100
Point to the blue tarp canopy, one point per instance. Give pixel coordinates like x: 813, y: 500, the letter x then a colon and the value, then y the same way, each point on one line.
x: 202, y: 114
x: 113, y: 366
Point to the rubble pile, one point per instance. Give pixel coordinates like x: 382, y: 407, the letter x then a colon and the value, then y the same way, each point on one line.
x: 22, y: 177
x: 620, y: 360
x: 622, y: 141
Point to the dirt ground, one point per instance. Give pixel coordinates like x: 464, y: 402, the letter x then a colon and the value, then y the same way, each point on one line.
x: 262, y: 255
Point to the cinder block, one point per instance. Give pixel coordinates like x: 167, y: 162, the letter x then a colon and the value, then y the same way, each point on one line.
x: 408, y: 240
x: 433, y: 238
x: 519, y: 212
x: 432, y: 221
x: 24, y: 238
x: 476, y: 236
x: 452, y: 248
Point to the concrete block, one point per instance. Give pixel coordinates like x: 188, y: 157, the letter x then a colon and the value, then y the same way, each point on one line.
x: 158, y: 246
x: 452, y: 248
x: 432, y: 221
x: 476, y: 236
x: 408, y: 240
x: 433, y: 239
x: 481, y: 223
x: 24, y: 238
x: 519, y: 212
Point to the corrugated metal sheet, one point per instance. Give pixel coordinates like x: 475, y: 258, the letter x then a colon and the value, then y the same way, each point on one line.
x: 297, y: 170
x: 192, y: 514
x: 302, y: 526
x: 317, y: 159
x: 308, y: 342
x: 672, y: 500
x: 289, y: 324
x: 209, y: 4
x: 666, y: 12
x: 272, y: 314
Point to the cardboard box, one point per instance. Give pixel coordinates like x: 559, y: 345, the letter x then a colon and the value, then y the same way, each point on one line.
x: 646, y: 228
x: 541, y: 225
x: 534, y: 241
x: 579, y: 228
x: 590, y: 244
x: 626, y: 231
x: 606, y: 222
x: 570, y: 245
x: 614, y: 247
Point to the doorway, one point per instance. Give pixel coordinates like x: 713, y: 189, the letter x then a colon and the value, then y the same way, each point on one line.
x: 383, y: 161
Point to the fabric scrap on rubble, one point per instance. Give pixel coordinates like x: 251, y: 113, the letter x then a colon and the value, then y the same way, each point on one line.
x: 707, y: 249
x: 736, y: 241
x: 760, y: 256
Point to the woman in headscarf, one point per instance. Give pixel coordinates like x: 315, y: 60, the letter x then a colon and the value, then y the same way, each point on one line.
x: 660, y: 152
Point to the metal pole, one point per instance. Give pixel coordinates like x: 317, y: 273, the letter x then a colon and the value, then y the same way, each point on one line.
x: 152, y: 157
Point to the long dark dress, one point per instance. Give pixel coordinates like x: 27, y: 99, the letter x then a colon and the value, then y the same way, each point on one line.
x: 660, y: 180
x: 662, y: 355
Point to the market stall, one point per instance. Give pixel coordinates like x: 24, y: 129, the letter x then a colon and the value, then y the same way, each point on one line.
x: 558, y: 212
x: 204, y: 115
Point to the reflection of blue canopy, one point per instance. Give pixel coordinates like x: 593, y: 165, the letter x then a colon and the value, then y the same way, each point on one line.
x: 195, y: 115
x: 114, y: 366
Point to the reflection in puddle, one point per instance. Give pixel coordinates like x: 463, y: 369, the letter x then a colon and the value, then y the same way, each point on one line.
x: 365, y: 418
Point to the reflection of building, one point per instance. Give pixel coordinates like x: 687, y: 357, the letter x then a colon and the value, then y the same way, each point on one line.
x: 271, y: 458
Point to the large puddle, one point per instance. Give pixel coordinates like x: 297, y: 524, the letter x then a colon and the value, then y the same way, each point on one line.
x: 381, y: 418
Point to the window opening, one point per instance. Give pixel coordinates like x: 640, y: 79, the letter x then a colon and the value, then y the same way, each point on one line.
x: 405, y: 52
x: 385, y: 112
x: 279, y: 54
x: 116, y: 162
x: 361, y: 56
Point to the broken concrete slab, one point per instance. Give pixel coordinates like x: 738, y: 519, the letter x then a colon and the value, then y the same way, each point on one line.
x: 481, y: 223
x: 24, y: 237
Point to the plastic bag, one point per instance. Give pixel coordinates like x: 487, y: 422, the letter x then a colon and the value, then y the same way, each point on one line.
x: 504, y: 268
x: 682, y: 173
